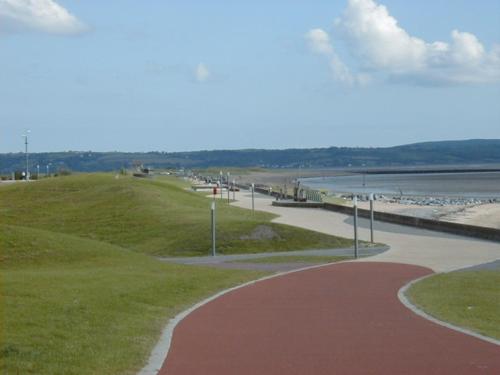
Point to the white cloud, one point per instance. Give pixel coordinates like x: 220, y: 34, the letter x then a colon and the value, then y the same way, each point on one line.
x: 202, y: 73
x: 38, y: 15
x: 382, y: 46
x: 319, y: 42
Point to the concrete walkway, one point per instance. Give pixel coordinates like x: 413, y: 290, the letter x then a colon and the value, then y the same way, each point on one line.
x: 343, y: 318
x: 232, y: 261
x: 439, y: 251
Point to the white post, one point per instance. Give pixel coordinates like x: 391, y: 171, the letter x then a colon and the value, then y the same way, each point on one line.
x: 253, y: 203
x: 213, y: 227
x: 355, y: 202
x: 371, y: 217
x: 220, y: 173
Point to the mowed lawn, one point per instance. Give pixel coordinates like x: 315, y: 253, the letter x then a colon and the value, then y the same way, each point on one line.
x: 79, y: 306
x: 469, y: 299
x: 149, y: 216
x: 80, y: 291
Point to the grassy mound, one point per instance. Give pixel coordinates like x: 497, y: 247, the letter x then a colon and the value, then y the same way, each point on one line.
x: 468, y: 299
x: 78, y: 306
x: 80, y: 295
x: 149, y: 216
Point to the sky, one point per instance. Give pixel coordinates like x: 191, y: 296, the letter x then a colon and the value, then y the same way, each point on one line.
x: 122, y: 75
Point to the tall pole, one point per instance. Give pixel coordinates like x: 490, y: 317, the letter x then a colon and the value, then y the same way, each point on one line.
x: 228, y: 199
x: 253, y: 203
x: 27, y: 155
x: 371, y: 217
x: 234, y: 190
x: 38, y: 171
x: 212, y: 216
x: 355, y: 201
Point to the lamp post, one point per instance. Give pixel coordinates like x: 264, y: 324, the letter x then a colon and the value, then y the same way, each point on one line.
x: 37, y: 171
x: 228, y: 187
x: 25, y: 135
x: 48, y: 166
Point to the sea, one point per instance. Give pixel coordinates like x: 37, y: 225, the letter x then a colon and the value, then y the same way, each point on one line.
x: 481, y: 185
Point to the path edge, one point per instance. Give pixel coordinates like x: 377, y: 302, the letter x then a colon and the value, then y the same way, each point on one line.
x: 408, y: 304
x: 160, y: 351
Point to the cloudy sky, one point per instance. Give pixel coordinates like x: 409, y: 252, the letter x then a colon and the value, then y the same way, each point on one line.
x: 189, y: 75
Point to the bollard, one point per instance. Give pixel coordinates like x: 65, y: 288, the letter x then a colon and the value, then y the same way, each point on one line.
x: 355, y: 202
x: 371, y: 217
x: 213, y: 228
x: 253, y: 204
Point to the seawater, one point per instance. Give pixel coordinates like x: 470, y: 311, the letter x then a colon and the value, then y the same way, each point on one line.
x: 466, y: 185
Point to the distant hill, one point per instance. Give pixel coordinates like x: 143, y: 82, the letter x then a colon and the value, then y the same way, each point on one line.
x: 476, y: 151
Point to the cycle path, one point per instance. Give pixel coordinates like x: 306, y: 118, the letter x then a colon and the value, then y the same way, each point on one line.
x: 338, y: 319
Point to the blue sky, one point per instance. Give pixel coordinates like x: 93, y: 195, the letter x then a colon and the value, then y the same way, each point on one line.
x: 190, y: 75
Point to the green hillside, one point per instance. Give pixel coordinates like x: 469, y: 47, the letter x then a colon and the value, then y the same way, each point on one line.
x: 157, y: 217
x: 80, y: 293
x: 462, y: 152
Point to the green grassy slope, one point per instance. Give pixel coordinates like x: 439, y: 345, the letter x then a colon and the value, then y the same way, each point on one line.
x: 154, y: 217
x: 79, y: 306
x: 467, y: 299
x: 79, y: 293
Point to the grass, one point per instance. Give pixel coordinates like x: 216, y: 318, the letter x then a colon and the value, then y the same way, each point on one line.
x: 312, y: 259
x: 79, y: 292
x: 148, y: 216
x: 466, y: 299
x: 78, y: 306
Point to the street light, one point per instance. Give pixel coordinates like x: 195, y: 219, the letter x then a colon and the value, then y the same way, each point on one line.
x: 48, y: 166
x: 25, y: 135
x: 38, y: 171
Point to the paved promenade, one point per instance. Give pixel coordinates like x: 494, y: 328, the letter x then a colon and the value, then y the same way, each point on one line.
x: 342, y: 318
x: 439, y: 251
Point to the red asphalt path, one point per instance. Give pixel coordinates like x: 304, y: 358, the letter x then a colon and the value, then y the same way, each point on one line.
x: 340, y: 319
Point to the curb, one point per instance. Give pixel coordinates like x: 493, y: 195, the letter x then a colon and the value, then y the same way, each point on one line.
x: 406, y: 302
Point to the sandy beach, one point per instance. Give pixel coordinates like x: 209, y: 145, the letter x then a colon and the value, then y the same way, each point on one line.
x: 485, y: 214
